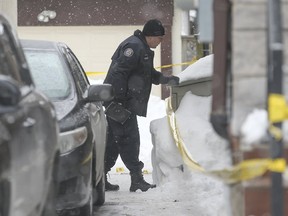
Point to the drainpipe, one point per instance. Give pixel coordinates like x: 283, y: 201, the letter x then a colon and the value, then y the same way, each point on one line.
x: 222, y: 93
x: 221, y: 67
x: 274, y: 78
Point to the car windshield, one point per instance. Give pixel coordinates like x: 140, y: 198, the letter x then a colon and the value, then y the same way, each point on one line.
x: 48, y: 73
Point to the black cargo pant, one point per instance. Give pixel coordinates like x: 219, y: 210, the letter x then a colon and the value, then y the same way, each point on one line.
x: 124, y: 140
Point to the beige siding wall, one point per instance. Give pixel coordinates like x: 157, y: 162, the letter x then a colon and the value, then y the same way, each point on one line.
x: 176, y: 40
x: 249, y: 64
x: 249, y: 60
x: 9, y: 9
x: 93, y: 45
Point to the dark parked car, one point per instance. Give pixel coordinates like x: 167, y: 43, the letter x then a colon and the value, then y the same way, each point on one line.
x: 58, y: 73
x: 28, y: 136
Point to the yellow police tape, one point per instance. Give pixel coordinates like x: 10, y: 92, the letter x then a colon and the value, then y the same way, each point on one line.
x: 277, y: 108
x: 275, y: 132
x: 122, y: 170
x: 250, y: 169
x: 95, y: 73
x: 186, y: 156
x: 245, y: 170
x: 277, y: 112
x: 179, y: 64
x: 90, y: 73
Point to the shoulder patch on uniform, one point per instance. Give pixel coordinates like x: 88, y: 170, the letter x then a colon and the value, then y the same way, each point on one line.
x: 128, y: 52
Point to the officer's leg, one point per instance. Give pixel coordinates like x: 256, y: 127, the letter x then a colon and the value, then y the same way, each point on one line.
x: 111, y: 154
x: 112, y: 149
x: 129, y: 147
x: 129, y: 152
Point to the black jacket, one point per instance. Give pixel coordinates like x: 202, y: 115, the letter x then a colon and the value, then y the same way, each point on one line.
x: 132, y: 73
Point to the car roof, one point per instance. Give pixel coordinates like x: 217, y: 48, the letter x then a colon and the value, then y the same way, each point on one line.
x: 41, y: 44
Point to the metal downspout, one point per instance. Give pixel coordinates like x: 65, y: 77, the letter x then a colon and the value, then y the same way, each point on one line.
x: 275, y: 77
x: 218, y: 116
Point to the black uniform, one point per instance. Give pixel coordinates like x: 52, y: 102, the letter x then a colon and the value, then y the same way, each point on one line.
x: 131, y: 75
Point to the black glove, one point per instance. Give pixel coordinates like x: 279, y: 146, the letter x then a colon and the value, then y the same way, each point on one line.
x: 169, y: 80
x: 173, y: 81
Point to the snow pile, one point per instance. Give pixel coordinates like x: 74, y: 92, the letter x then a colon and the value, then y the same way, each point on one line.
x: 254, y: 127
x: 200, y: 69
x: 156, y: 109
x: 207, y: 148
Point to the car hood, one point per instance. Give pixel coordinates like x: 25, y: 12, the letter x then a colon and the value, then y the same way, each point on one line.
x: 63, y: 108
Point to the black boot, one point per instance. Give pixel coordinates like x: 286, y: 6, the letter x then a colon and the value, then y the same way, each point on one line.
x: 110, y: 187
x: 138, y: 182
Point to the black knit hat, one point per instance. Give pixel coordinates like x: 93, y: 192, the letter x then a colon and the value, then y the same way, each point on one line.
x: 153, y: 28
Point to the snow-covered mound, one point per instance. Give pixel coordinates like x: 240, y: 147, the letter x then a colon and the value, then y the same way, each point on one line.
x: 200, y: 69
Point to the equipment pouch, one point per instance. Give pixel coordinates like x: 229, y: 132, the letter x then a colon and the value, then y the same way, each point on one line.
x: 117, y: 112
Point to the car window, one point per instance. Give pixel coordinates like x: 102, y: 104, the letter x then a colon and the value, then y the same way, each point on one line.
x: 48, y: 73
x: 78, y: 71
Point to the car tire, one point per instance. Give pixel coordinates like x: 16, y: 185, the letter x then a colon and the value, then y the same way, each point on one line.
x: 87, y: 209
x: 100, y: 190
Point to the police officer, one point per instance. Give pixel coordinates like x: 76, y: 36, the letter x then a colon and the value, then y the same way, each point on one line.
x: 131, y: 75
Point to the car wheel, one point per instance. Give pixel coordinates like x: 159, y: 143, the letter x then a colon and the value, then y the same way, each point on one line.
x: 100, y: 190
x: 87, y: 209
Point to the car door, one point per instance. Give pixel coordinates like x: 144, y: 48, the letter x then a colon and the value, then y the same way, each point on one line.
x: 30, y: 142
x: 98, y: 119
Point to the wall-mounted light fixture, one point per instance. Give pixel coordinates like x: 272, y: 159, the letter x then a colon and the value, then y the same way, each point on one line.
x: 46, y: 15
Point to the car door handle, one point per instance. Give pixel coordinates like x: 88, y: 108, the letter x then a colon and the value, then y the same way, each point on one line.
x: 29, y: 122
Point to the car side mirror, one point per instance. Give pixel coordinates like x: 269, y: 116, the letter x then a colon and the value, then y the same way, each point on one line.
x: 100, y: 92
x: 10, y: 94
